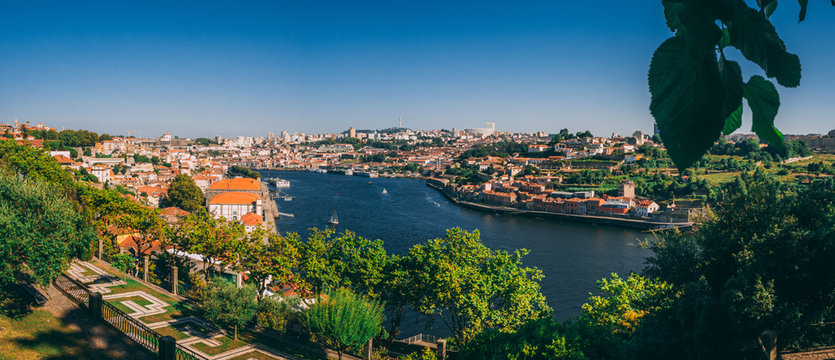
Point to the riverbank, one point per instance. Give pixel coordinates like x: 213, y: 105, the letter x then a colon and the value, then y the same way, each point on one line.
x: 605, y: 220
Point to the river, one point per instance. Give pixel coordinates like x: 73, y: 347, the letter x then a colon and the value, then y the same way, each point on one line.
x: 572, y: 256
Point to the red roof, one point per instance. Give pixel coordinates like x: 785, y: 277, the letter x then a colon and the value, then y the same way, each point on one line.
x: 234, y: 198
x: 236, y: 184
x: 63, y: 160
x: 251, y: 219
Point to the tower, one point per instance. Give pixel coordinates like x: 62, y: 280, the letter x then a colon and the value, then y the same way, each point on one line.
x: 400, y: 123
x: 352, y: 132
x: 626, y: 189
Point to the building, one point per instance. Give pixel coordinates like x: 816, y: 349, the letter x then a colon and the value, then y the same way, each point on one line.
x: 626, y: 189
x: 101, y: 172
x: 234, y: 205
x: 352, y: 132
x: 251, y: 221
x: 646, y: 207
x: 246, y: 185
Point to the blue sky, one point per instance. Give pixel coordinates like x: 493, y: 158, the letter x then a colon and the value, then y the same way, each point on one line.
x: 245, y: 68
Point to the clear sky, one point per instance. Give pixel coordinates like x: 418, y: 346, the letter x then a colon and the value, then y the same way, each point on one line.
x: 245, y: 68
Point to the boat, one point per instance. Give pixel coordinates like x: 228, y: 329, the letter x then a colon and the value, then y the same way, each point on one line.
x: 384, y: 191
x: 369, y: 183
x: 281, y: 183
x: 334, y: 220
x: 368, y: 174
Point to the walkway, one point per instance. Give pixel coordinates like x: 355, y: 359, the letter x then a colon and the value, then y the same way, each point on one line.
x: 167, y: 315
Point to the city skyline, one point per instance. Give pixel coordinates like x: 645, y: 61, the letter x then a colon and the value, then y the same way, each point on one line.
x: 319, y: 68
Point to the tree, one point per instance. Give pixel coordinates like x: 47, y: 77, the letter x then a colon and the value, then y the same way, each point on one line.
x: 145, y: 225
x: 216, y: 240
x: 229, y: 306
x: 538, y: 339
x: 761, y: 260
x: 123, y: 262
x: 278, y: 259
x: 471, y: 287
x: 240, y: 171
x: 35, y: 165
x: 184, y: 193
x: 344, y: 320
x: 276, y: 312
x: 40, y: 230
x: 697, y: 92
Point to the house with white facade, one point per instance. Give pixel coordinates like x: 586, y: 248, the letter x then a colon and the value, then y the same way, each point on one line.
x: 234, y: 205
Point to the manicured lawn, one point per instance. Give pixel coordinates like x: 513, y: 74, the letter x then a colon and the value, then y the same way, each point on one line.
x: 226, y: 344
x: 138, y: 300
x: 40, y: 335
x: 172, y: 332
x: 253, y: 355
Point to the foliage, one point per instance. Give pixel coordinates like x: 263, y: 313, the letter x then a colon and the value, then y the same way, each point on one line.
x: 276, y: 313
x: 240, y: 171
x: 229, y: 306
x: 544, y: 339
x: 761, y: 260
x: 216, y: 240
x: 426, y: 353
x: 344, y: 320
x: 123, y: 262
x: 500, y: 149
x: 34, y: 164
x: 697, y: 92
x: 40, y: 230
x: 471, y: 287
x: 204, y: 141
x: 184, y: 193
x: 278, y: 259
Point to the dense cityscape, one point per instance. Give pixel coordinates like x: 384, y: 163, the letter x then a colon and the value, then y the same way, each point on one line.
x: 387, y: 180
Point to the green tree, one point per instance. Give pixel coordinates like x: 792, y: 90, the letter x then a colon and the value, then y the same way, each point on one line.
x: 471, y: 287
x: 35, y: 165
x: 184, y: 193
x: 229, y: 306
x: 40, y: 230
x: 276, y: 312
x: 123, y: 262
x: 344, y: 320
x: 761, y: 260
x: 240, y: 171
x: 538, y: 339
x: 697, y: 91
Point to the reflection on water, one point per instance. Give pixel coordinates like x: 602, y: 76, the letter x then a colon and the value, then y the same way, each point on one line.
x: 572, y: 256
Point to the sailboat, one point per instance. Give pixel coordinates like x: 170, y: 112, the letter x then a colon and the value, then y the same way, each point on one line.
x: 384, y: 191
x: 334, y: 220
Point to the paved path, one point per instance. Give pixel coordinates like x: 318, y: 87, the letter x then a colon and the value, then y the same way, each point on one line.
x: 196, y: 329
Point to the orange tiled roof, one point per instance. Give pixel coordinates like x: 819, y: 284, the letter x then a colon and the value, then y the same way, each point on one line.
x: 237, y: 184
x: 234, y: 198
x: 63, y: 160
x: 251, y: 219
x: 174, y: 211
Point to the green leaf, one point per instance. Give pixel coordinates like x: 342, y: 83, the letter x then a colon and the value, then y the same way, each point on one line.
x: 731, y: 76
x: 725, y: 40
x: 733, y: 122
x: 803, y: 4
x: 764, y: 101
x: 672, y: 13
x: 758, y: 41
x: 769, y: 9
x: 687, y: 99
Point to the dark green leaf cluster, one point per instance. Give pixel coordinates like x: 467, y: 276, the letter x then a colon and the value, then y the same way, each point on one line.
x: 697, y: 92
x: 184, y: 193
x: 240, y: 171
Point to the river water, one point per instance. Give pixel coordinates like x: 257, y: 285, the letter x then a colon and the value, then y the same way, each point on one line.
x: 572, y: 256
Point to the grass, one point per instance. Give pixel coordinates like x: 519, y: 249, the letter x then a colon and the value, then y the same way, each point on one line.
x: 226, y: 344
x: 40, y: 335
x: 138, y: 300
x: 720, y: 178
x: 253, y: 355
x: 172, y: 332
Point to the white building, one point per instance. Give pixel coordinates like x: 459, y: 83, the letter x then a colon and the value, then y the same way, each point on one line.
x: 101, y: 172
x: 233, y: 205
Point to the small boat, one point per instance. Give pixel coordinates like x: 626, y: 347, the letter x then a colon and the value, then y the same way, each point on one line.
x: 369, y: 183
x: 384, y: 191
x: 436, y: 204
x: 334, y: 220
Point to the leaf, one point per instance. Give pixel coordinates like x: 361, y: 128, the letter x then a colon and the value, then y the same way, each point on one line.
x: 672, y: 13
x: 758, y: 41
x: 769, y: 9
x: 803, y: 4
x: 731, y: 76
x: 687, y: 100
x: 764, y: 101
x: 733, y: 122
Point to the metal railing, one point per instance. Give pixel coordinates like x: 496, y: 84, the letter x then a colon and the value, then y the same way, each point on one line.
x: 421, y: 337
x: 182, y: 353
x: 74, y: 290
x: 131, y: 327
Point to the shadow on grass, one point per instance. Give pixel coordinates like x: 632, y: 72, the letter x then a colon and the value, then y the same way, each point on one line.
x: 15, y: 302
